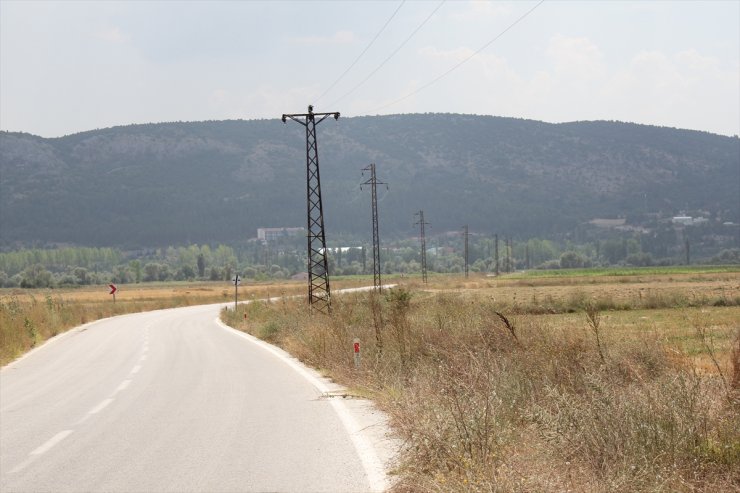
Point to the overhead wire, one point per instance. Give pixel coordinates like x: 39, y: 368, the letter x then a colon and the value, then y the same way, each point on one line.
x: 362, y: 53
x: 391, y: 55
x: 456, y: 66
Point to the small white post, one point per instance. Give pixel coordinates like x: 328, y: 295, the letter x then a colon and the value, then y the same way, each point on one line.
x: 356, y: 347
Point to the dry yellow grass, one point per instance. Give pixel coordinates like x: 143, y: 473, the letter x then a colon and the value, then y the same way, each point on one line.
x: 619, y: 289
x: 642, y: 403
x: 206, y: 292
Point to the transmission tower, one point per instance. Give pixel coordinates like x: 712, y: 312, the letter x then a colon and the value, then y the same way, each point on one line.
x: 373, y: 182
x: 422, y: 237
x: 497, y: 266
x: 507, y: 245
x: 319, y: 294
x: 688, y: 251
x: 510, y: 256
x: 465, y: 237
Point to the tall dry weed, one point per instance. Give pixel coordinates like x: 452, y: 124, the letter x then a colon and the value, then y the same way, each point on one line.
x: 735, y: 365
x: 28, y: 322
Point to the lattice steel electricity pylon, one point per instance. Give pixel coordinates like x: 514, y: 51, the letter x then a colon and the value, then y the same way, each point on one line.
x: 497, y: 266
x: 422, y: 238
x: 319, y: 294
x: 373, y: 182
x: 466, y: 258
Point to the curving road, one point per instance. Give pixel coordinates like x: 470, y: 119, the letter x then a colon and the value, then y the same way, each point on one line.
x: 174, y: 401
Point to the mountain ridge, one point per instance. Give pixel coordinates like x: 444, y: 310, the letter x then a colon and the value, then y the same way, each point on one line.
x: 214, y: 181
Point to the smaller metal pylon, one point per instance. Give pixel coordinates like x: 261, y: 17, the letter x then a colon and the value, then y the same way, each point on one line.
x: 373, y: 182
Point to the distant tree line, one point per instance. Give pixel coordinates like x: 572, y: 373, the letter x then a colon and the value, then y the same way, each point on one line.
x: 282, y: 259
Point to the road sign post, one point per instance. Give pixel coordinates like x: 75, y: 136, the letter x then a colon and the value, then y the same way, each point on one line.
x: 113, y: 290
x: 356, y: 347
x: 237, y: 281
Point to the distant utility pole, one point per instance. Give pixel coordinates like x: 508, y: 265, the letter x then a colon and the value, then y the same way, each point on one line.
x: 465, y: 237
x: 507, y: 243
x: 422, y: 237
x: 319, y: 294
x: 688, y: 252
x: 496, y: 250
x: 268, y: 256
x: 373, y: 182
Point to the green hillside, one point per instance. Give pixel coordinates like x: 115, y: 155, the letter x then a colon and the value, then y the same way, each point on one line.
x: 218, y: 181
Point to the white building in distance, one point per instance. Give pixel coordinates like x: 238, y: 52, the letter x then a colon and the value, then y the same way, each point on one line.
x: 272, y: 234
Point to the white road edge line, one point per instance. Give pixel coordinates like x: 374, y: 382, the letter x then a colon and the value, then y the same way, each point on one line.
x: 52, y: 442
x: 100, y: 406
x: 55, y: 339
x: 123, y: 385
x: 135, y: 369
x: 77, y: 330
x: 23, y: 464
x: 374, y: 469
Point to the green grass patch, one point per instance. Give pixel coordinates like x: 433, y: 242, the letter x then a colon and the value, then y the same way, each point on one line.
x: 626, y: 271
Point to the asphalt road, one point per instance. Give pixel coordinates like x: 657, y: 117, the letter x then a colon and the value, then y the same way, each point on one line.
x: 173, y: 401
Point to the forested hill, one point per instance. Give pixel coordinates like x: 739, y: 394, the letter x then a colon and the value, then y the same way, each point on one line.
x: 218, y: 181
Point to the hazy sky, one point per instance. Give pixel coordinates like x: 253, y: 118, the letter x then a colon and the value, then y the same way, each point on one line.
x: 70, y: 66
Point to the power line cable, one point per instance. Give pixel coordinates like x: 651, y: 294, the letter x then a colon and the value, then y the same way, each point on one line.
x: 456, y: 66
x: 363, y: 52
x: 389, y: 56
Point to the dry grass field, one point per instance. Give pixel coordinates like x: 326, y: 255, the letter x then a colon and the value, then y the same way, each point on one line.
x: 540, y: 383
x: 624, y: 383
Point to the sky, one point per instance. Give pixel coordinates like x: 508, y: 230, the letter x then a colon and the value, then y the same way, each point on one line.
x: 69, y: 66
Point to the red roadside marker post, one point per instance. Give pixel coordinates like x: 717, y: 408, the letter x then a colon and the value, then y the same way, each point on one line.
x: 113, y: 290
x: 356, y: 347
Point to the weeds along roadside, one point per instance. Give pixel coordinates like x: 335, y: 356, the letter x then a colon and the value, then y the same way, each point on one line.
x: 28, y: 321
x: 490, y: 397
x: 30, y: 317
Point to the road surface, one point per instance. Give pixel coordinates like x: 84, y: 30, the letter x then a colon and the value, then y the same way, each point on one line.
x: 172, y: 401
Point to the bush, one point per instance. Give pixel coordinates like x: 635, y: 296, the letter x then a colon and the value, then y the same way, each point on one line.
x: 36, y: 276
x: 640, y: 260
x: 729, y: 256
x: 550, y: 264
x: 573, y: 260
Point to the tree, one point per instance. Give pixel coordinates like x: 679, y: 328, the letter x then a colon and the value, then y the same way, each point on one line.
x: 640, y: 259
x: 80, y: 274
x: 572, y: 260
x: 185, y: 273
x: 135, y: 266
x: 36, y: 276
x: 151, y: 272
x: 201, y: 265
x: 614, y: 250
x: 121, y: 275
x: 540, y: 251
